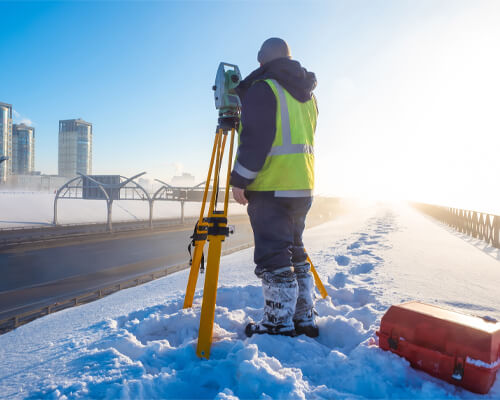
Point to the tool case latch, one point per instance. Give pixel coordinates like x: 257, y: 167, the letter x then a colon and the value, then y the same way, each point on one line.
x: 458, y: 370
x: 393, y: 342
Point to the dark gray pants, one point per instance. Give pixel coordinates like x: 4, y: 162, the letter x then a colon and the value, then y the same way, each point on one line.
x: 278, y: 224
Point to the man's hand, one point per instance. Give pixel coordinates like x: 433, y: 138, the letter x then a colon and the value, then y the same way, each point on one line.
x: 239, y: 196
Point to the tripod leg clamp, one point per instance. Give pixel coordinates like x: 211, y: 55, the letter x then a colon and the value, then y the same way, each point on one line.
x: 217, y: 226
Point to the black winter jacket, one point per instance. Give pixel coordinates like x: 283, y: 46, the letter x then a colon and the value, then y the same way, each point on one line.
x: 258, y: 114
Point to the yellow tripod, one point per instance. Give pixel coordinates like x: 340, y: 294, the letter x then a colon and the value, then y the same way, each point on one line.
x: 214, y: 229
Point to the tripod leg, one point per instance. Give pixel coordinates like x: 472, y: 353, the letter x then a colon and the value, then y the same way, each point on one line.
x: 200, y: 244
x: 215, y: 148
x: 317, y: 280
x: 213, y: 263
x: 193, y: 274
x: 209, y: 297
x: 229, y: 167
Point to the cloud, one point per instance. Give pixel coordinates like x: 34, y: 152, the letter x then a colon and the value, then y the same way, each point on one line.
x: 179, y: 168
x: 19, y: 119
x: 175, y: 168
x: 26, y: 121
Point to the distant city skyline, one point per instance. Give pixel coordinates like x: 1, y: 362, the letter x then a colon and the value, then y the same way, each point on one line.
x: 74, y: 150
x: 74, y: 146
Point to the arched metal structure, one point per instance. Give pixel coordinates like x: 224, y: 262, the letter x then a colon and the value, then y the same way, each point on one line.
x: 95, y: 187
x: 170, y: 193
x: 87, y: 187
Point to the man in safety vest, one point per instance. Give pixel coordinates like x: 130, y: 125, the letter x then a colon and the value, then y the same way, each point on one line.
x: 274, y: 174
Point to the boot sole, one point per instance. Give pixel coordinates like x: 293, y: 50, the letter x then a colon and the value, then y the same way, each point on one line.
x: 250, y: 331
x: 310, y: 331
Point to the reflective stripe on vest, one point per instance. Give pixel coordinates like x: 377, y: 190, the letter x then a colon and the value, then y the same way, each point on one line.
x: 244, y: 172
x: 286, y: 133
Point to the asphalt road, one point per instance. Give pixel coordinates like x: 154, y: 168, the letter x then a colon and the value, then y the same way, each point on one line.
x: 34, y: 275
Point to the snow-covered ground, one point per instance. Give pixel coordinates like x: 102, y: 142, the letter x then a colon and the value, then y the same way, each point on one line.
x: 140, y: 343
x: 37, y: 209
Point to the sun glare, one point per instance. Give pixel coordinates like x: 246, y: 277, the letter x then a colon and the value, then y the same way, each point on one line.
x: 423, y: 122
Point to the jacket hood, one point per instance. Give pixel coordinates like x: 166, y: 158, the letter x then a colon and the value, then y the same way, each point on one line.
x: 289, y: 73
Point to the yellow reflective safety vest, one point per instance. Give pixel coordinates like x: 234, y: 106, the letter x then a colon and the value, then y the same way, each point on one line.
x: 289, y: 166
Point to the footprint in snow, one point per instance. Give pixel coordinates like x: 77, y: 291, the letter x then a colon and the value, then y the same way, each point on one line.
x: 362, y: 253
x: 339, y: 280
x: 362, y: 268
x: 353, y: 297
x: 342, y: 260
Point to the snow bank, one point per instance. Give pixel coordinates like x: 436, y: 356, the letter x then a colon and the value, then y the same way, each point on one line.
x: 140, y: 343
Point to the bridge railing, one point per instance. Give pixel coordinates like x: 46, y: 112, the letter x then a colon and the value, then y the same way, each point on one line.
x: 479, y: 225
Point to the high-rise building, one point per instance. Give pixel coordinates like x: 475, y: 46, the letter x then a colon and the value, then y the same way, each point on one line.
x: 5, y: 140
x: 23, y: 149
x: 75, y: 147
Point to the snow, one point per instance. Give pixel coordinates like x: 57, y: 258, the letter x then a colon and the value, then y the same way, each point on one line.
x: 479, y: 363
x: 37, y: 209
x: 140, y: 343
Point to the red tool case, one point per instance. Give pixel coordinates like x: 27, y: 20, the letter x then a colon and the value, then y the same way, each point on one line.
x: 460, y: 349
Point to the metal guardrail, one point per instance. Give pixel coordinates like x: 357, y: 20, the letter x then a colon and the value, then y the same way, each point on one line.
x: 33, y: 234
x: 16, y: 192
x: 49, y: 226
x: 11, y: 323
x: 479, y: 225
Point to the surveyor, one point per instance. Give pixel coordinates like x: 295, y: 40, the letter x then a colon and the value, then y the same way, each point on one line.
x: 274, y: 174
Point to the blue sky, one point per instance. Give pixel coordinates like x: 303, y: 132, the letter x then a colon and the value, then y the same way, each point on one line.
x: 142, y: 73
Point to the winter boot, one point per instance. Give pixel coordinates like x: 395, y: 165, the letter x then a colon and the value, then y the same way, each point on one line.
x: 304, y: 317
x: 280, y: 296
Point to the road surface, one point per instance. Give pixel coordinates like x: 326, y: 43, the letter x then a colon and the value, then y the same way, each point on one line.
x: 34, y: 275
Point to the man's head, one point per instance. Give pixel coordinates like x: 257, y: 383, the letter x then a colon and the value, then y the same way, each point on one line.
x: 272, y: 49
